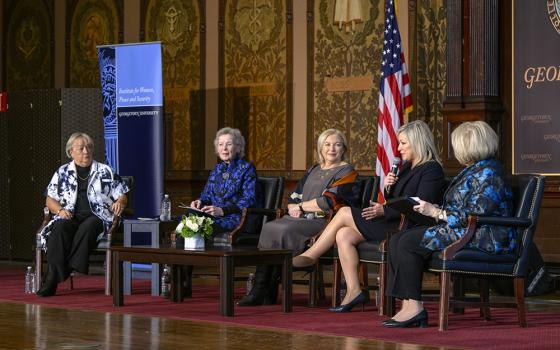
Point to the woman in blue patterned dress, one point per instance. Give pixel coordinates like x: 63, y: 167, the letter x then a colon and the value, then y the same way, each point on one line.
x: 480, y: 189
x: 231, y: 185
x: 84, y: 195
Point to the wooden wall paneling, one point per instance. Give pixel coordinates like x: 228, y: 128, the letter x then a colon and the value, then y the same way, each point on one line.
x: 338, y: 60
x: 255, y: 82
x: 180, y: 25
x: 29, y: 44
x: 20, y: 144
x: 472, y: 59
x: 4, y: 189
x: 90, y: 23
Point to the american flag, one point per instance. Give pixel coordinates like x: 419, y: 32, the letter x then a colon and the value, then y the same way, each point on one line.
x: 394, y: 96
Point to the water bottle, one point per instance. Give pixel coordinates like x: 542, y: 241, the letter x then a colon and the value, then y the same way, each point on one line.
x: 250, y: 282
x: 166, y: 282
x: 165, y: 209
x: 29, y: 281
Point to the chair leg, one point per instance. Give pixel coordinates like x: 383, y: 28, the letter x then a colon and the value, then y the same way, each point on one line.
x: 312, y: 297
x: 364, y: 276
x: 386, y: 303
x: 320, y: 282
x: 445, y: 281
x: 519, y: 290
x: 336, y: 283
x: 71, y: 281
x: 484, y: 297
x: 38, y: 267
x: 108, y: 277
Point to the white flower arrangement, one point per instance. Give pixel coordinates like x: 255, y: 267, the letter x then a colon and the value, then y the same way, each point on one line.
x: 192, y: 225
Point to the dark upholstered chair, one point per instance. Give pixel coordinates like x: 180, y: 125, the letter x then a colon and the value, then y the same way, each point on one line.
x: 458, y: 260
x: 367, y: 190
x: 270, y: 190
x: 103, y: 245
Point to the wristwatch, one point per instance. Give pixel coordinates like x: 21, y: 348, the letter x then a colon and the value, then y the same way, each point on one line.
x: 300, y: 205
x: 441, y: 215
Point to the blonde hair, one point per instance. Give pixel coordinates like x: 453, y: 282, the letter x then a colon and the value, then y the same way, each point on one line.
x: 421, y: 140
x: 75, y: 136
x: 474, y: 141
x: 321, y: 140
x: 238, y: 140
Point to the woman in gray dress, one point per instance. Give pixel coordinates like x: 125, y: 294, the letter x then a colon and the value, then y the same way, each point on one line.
x: 325, y: 187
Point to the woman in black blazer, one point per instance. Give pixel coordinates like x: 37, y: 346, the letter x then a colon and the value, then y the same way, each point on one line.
x: 421, y: 176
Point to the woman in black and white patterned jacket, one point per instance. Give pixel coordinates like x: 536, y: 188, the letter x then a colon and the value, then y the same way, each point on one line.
x: 84, y: 195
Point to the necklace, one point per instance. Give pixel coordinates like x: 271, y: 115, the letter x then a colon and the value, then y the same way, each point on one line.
x: 82, y: 178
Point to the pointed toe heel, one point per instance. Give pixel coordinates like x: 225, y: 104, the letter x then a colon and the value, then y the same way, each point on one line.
x: 362, y: 298
x: 420, y: 320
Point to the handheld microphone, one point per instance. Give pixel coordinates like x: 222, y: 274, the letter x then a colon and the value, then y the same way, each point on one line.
x: 394, y: 170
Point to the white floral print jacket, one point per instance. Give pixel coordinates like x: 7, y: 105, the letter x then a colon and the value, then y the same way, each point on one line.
x: 104, y: 188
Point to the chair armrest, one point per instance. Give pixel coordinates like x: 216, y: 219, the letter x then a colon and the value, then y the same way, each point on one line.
x: 503, y: 221
x: 449, y: 252
x: 113, y: 228
x: 46, y: 219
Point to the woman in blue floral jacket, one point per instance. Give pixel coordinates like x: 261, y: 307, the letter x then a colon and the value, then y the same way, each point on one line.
x: 480, y: 189
x: 84, y: 195
x: 231, y: 185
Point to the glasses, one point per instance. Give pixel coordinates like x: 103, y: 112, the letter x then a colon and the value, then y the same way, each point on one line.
x: 80, y: 149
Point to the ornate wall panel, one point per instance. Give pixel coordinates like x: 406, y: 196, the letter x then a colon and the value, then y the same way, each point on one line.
x: 428, y: 26
x: 29, y: 43
x: 340, y: 63
x: 90, y: 23
x: 255, y: 72
x: 180, y: 26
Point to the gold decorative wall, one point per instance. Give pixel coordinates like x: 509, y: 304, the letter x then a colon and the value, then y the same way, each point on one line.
x: 255, y: 73
x: 344, y: 87
x: 428, y: 25
x: 90, y: 23
x: 29, y: 44
x: 179, y: 25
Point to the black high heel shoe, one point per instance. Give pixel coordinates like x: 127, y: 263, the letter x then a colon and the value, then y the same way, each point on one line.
x: 49, y: 286
x: 421, y: 320
x: 361, y: 298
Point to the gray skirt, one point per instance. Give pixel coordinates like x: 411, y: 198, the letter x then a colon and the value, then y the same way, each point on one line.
x: 290, y: 233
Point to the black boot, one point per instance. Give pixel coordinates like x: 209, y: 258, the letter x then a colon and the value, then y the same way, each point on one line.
x: 260, y: 287
x: 49, y: 286
x: 271, y: 295
x: 187, y: 281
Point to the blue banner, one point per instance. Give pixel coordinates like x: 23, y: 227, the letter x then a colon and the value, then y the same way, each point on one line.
x: 133, y: 119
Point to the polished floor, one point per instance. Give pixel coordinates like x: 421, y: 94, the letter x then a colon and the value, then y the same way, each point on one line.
x: 29, y: 326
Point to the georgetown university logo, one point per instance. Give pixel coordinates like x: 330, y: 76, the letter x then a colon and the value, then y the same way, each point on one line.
x: 553, y: 7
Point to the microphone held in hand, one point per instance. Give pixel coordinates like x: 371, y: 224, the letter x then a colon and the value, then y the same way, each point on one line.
x: 394, y: 170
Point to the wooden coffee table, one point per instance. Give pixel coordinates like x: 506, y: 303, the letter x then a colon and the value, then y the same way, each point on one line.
x: 226, y: 258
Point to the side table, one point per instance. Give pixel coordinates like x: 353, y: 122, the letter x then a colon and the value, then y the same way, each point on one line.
x: 132, y: 226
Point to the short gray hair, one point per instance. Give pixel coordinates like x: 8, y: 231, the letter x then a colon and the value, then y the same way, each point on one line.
x: 474, y: 141
x: 78, y: 135
x: 421, y: 140
x: 238, y: 140
x: 321, y: 140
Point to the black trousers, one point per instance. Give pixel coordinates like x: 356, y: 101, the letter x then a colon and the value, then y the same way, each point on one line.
x: 69, y: 245
x: 407, y: 260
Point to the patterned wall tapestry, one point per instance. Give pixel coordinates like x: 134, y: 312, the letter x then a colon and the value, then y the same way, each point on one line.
x: 177, y: 23
x: 255, y: 64
x: 341, y: 54
x: 90, y: 23
x: 428, y: 74
x: 29, y: 44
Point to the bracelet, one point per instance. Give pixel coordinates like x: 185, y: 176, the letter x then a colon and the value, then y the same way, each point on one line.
x: 59, y: 210
x: 300, y: 205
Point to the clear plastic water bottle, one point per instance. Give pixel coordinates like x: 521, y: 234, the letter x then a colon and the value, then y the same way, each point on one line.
x: 30, y: 281
x: 166, y: 282
x: 250, y: 282
x: 165, y: 209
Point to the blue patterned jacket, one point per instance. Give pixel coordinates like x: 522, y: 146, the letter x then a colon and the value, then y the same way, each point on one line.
x: 479, y: 189
x: 104, y: 188
x: 232, y: 192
